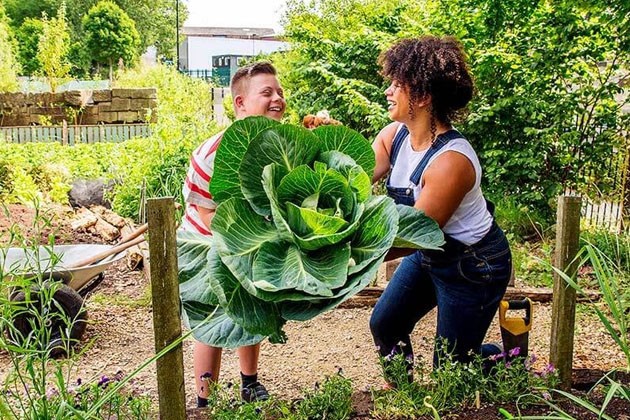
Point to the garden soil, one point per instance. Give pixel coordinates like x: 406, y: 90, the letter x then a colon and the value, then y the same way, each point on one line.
x: 119, y: 336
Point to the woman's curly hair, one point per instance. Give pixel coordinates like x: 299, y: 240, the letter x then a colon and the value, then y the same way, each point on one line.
x: 434, y: 66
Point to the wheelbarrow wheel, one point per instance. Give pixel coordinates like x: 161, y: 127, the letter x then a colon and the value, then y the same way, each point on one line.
x: 64, y: 319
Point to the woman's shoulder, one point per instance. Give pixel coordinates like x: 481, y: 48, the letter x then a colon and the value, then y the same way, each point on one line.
x: 387, y: 134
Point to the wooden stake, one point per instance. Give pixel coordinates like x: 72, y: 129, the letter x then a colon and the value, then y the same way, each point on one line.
x: 165, y: 297
x: 563, y: 310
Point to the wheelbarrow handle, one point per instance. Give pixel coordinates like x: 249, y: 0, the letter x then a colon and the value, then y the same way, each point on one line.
x: 133, y: 235
x: 127, y: 242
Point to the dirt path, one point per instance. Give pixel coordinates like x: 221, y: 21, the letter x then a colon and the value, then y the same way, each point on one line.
x: 120, y: 337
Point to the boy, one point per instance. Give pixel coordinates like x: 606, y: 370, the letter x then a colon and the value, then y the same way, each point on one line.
x: 255, y: 91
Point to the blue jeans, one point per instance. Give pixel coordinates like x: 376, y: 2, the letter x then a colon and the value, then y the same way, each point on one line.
x: 466, y: 283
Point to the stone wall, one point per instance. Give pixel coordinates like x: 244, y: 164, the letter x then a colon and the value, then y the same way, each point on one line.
x: 79, y: 107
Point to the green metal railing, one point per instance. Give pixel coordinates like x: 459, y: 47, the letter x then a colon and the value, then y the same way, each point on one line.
x: 72, y: 135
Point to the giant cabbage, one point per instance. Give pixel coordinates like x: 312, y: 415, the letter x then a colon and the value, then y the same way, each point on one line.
x: 296, y: 231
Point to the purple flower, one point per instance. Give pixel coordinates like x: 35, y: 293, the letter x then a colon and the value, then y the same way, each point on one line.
x: 546, y: 395
x: 508, y: 365
x: 515, y: 351
x: 529, y: 362
x: 51, y: 392
x: 495, y: 357
x: 104, y: 381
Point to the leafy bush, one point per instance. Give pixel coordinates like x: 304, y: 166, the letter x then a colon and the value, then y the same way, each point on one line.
x: 296, y: 232
x: 456, y: 386
x: 330, y: 400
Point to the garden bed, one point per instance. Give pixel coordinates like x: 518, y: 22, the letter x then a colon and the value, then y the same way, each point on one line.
x: 119, y: 337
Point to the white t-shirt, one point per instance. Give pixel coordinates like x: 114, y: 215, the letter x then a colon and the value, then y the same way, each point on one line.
x: 471, y: 220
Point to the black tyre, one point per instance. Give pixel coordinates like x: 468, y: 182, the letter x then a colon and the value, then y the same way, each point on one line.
x: 64, y: 313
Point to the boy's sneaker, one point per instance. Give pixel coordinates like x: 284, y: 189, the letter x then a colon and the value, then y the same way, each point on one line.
x: 254, y: 392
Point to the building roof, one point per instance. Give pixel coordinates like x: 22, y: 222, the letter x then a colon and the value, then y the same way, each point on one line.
x: 228, y: 32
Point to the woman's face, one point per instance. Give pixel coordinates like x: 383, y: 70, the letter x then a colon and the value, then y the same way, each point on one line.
x: 397, y: 96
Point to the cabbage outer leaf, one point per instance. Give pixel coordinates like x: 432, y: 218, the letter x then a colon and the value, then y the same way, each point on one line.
x: 254, y: 315
x: 416, y: 230
x: 282, y: 266
x: 225, y: 179
x: 349, y: 142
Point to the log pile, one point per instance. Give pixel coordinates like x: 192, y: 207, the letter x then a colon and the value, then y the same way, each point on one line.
x: 112, y: 228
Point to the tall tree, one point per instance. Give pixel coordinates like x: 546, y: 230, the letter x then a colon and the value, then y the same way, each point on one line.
x: 28, y: 35
x: 9, y: 66
x: 110, y: 35
x: 53, y: 47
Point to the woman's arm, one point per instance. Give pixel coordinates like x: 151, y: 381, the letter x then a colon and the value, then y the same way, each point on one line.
x: 445, y: 183
x: 382, y: 146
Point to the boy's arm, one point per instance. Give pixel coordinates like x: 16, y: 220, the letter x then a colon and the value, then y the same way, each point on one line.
x: 206, y: 215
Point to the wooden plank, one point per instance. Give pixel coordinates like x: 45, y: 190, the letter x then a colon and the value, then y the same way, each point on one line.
x: 368, y: 296
x: 564, y: 296
x: 165, y: 298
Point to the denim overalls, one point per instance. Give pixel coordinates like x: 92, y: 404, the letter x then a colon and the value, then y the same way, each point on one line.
x: 465, y: 282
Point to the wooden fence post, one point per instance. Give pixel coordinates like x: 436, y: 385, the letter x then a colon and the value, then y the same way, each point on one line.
x: 64, y: 133
x: 563, y: 310
x: 165, y: 298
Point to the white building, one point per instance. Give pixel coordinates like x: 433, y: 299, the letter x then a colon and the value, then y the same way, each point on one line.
x: 207, y: 48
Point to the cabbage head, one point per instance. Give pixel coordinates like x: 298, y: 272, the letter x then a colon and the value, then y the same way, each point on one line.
x: 296, y: 231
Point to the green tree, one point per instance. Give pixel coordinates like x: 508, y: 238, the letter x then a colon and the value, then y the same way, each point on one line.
x: 154, y: 19
x: 9, y: 66
x: 549, y: 76
x: 110, y: 35
x: 53, y: 47
x: 28, y: 35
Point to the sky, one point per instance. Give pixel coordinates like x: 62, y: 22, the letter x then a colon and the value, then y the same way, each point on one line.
x: 237, y: 13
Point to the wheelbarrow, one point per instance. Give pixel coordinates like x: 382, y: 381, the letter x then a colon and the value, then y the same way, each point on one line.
x: 77, y: 267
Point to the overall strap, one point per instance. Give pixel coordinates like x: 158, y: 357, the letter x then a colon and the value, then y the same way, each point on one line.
x: 397, y: 143
x: 435, y: 147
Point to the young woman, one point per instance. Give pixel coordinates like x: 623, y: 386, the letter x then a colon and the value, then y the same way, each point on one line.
x: 433, y: 167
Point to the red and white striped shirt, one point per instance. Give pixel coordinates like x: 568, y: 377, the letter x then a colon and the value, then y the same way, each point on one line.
x: 196, y: 186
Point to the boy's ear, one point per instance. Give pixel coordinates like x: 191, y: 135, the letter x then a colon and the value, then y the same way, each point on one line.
x: 238, y: 102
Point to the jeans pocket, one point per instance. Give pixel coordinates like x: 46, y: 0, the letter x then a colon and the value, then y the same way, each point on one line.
x: 486, y: 269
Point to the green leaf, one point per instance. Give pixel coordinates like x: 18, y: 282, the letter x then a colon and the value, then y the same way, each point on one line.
x: 286, y: 145
x: 378, y: 224
x: 271, y: 178
x: 282, y: 266
x: 314, y: 241
x: 219, y: 330
x: 192, y: 262
x: 254, y: 315
x: 416, y: 230
x: 236, y: 139
x: 349, y: 142
x: 331, y: 186
x: 305, y: 222
x: 358, y: 179
x: 238, y: 234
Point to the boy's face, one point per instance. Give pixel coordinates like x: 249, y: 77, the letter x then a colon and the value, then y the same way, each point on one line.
x: 262, y: 95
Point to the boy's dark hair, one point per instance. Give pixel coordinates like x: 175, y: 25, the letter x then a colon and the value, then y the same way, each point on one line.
x: 434, y: 66
x: 244, y: 74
